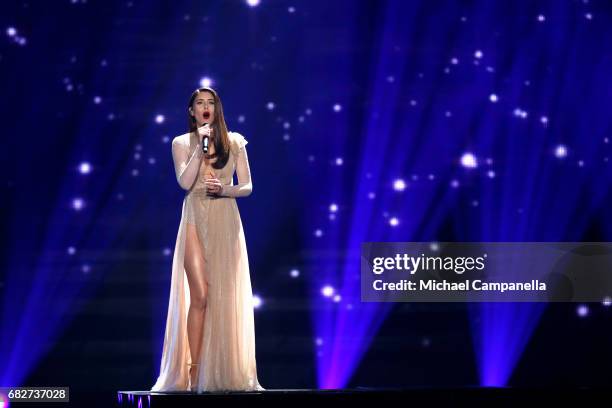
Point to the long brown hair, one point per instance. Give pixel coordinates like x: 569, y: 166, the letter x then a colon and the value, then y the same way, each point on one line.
x: 221, y: 138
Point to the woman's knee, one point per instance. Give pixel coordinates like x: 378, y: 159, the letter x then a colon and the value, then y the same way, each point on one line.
x: 199, y: 299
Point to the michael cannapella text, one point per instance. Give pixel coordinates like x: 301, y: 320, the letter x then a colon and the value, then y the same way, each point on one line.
x: 444, y: 285
x: 458, y: 265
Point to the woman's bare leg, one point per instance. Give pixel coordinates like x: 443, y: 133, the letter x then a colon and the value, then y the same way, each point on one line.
x: 198, y: 289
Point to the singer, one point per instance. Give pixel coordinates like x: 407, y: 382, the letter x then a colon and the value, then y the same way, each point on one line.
x: 209, y: 342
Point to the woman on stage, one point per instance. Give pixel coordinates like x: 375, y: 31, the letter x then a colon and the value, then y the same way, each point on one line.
x: 209, y: 342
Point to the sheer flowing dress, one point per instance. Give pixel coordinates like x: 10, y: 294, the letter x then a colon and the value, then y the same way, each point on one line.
x: 227, y: 357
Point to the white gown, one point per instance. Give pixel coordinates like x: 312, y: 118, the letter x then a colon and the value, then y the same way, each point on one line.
x: 227, y: 358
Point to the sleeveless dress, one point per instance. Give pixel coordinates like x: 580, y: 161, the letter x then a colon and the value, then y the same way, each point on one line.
x: 227, y: 357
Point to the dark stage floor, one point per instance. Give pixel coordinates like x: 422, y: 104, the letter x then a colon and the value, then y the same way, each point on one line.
x: 373, y: 397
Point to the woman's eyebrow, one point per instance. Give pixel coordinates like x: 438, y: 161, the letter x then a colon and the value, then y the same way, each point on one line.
x: 209, y: 100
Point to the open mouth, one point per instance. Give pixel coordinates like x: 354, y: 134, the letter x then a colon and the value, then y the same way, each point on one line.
x: 206, y: 115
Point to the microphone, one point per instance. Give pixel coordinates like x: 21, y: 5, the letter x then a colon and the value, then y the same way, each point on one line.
x: 205, y: 140
x: 205, y: 144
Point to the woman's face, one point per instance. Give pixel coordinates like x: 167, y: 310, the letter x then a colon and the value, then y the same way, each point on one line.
x: 203, y: 108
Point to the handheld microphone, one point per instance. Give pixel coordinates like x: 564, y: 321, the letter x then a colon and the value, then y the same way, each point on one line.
x: 205, y: 144
x: 205, y: 140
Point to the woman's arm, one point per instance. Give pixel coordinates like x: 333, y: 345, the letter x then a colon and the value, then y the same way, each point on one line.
x: 243, y: 171
x: 186, y: 167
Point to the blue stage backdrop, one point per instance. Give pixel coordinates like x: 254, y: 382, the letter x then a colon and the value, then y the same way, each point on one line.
x: 372, y: 120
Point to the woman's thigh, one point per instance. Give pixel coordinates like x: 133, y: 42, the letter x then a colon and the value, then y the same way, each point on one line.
x: 195, y: 267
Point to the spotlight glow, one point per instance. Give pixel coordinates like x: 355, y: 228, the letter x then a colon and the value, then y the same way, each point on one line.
x: 519, y: 113
x: 493, y: 98
x: 257, y: 302
x: 270, y: 106
x: 159, y: 119
x: 84, y: 168
x: 582, y: 310
x: 78, y: 204
x: 327, y: 291
x: 333, y: 207
x: 393, y: 221
x: 560, y: 151
x: 294, y: 273
x: 468, y: 160
x: 399, y: 185
x: 337, y: 107
x: 206, y: 82
x: 252, y: 3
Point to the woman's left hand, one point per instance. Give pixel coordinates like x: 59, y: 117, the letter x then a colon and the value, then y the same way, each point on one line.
x: 213, y: 186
